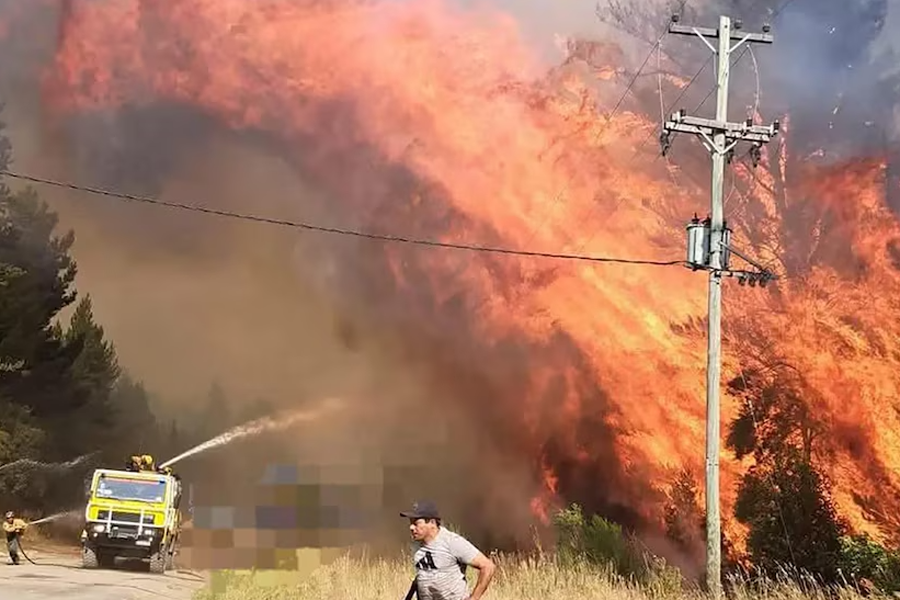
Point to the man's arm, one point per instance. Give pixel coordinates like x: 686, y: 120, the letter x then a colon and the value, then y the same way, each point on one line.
x: 486, y: 568
x: 468, y: 554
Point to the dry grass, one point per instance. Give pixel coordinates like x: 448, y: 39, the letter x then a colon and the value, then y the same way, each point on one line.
x: 516, y: 579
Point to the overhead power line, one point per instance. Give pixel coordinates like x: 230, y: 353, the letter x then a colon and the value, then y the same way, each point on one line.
x: 664, y: 32
x: 333, y: 230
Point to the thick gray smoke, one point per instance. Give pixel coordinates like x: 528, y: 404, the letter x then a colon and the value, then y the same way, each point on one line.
x: 833, y: 69
x: 834, y: 64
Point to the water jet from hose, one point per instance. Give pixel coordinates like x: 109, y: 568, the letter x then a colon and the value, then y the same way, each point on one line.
x: 28, y: 462
x: 55, y: 517
x: 256, y: 427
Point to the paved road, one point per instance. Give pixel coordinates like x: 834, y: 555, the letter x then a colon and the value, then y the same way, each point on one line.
x: 58, y: 576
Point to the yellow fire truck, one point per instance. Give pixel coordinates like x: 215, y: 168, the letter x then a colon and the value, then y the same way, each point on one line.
x: 132, y: 513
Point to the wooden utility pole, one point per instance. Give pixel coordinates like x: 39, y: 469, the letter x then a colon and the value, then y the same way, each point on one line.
x: 719, y: 137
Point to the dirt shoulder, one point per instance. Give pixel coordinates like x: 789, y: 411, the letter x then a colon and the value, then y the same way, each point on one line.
x: 56, y: 570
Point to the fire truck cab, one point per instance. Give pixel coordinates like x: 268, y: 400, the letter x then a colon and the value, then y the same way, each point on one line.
x: 132, y: 514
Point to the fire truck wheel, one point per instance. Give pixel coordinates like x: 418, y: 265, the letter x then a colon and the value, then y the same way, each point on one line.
x: 89, y: 558
x: 158, y: 561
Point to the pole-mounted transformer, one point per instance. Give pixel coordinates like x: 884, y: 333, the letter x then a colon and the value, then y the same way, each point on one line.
x: 698, y: 243
x: 698, y: 250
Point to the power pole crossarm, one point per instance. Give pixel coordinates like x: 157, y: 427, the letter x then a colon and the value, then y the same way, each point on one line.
x: 708, y: 128
x: 709, y: 32
x: 719, y: 137
x: 737, y: 131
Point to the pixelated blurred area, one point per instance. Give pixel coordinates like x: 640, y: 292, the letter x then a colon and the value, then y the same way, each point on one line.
x: 295, y: 518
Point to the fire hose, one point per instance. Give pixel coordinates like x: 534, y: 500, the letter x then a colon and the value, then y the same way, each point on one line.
x: 28, y: 558
x: 21, y: 549
x: 19, y: 540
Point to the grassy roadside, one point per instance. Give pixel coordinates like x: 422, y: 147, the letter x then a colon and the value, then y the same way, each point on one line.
x: 536, y: 578
x: 591, y: 558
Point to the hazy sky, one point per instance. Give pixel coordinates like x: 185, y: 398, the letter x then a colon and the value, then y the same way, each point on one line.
x: 541, y: 19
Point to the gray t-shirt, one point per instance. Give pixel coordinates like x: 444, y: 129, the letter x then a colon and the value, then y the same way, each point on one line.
x: 440, y: 566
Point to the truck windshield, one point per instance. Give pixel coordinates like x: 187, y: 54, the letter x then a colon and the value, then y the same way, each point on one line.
x: 146, y: 490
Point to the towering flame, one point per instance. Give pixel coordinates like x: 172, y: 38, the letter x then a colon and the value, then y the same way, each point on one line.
x: 520, y: 158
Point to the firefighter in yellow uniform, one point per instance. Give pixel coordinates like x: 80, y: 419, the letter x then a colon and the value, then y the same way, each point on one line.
x: 138, y: 463
x: 14, y: 528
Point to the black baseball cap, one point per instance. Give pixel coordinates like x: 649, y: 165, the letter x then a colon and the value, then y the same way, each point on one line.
x: 423, y: 509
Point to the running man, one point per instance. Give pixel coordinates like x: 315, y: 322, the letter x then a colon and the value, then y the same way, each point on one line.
x: 441, y: 557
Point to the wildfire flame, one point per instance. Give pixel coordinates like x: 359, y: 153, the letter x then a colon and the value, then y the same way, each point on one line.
x: 457, y: 98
